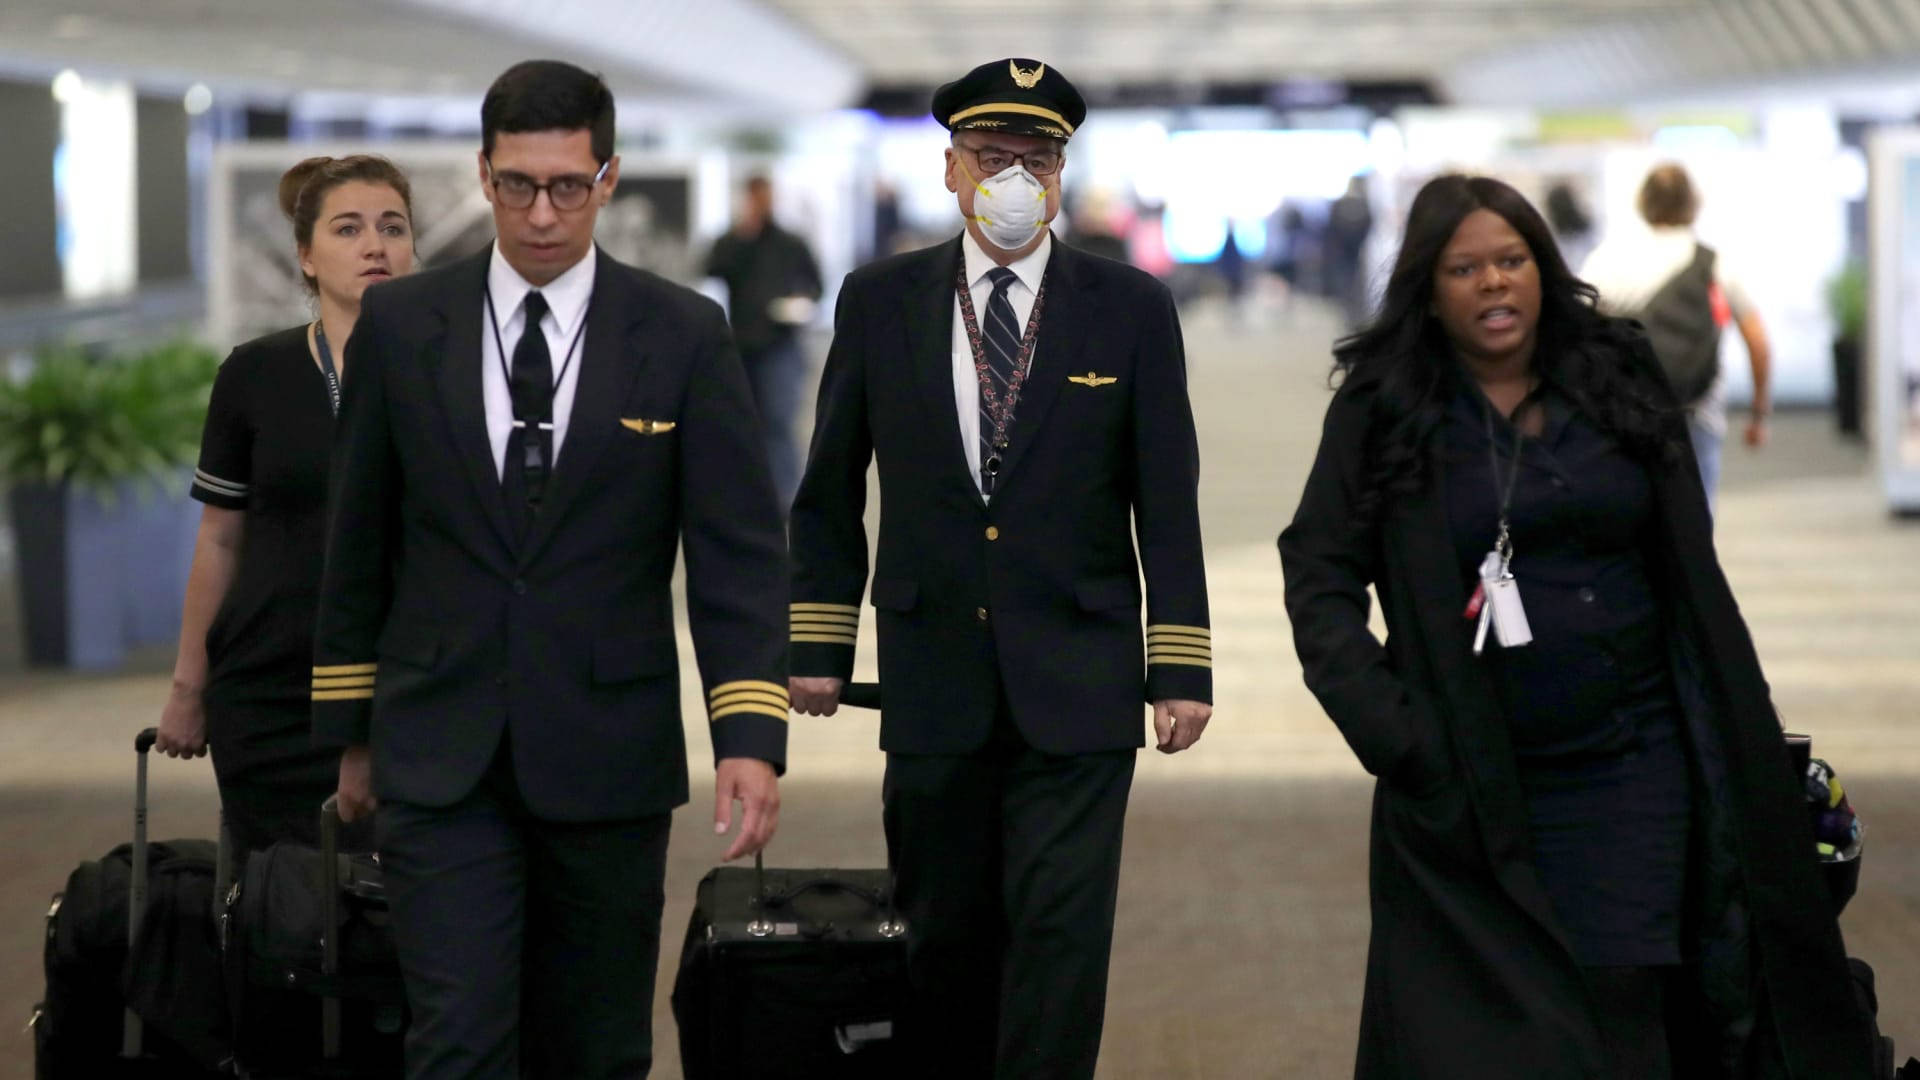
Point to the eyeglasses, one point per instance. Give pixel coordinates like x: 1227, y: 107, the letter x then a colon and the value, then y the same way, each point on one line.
x: 518, y: 190
x: 993, y: 160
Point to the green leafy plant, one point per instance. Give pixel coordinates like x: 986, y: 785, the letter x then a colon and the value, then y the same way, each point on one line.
x: 95, y: 423
x: 1847, y: 302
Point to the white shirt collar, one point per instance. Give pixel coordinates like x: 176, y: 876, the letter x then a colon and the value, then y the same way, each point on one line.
x: 1030, y: 268
x: 567, y: 295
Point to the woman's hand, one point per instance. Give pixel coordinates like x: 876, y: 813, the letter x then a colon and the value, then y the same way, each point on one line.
x: 183, y: 725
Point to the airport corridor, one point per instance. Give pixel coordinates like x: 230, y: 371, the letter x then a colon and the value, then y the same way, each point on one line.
x: 1242, y: 927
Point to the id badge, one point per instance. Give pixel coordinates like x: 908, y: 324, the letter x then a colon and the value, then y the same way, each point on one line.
x: 1510, y: 626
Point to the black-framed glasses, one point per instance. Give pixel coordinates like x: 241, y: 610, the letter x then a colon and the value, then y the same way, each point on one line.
x: 518, y: 190
x: 993, y: 160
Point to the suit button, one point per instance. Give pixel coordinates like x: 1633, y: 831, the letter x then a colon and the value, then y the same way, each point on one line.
x: 520, y: 586
x: 980, y: 614
x: 993, y: 533
x: 499, y: 680
x: 1586, y: 596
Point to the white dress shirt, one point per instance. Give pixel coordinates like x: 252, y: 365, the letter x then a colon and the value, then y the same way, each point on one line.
x: 567, y: 297
x: 966, y: 381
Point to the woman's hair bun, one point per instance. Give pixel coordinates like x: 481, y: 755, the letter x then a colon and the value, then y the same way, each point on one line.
x: 294, y: 180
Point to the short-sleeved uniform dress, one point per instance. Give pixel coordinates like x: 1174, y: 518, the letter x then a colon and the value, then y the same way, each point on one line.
x: 1593, y: 712
x: 264, y: 451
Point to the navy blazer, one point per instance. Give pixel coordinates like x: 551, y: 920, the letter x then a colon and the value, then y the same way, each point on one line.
x: 1036, y: 595
x: 438, y: 634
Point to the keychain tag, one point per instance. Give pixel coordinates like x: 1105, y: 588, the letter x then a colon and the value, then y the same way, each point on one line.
x: 1477, y: 605
x: 1510, y: 626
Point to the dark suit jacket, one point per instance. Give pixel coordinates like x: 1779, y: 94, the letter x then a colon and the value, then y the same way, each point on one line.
x: 1037, y: 594
x: 437, y: 634
x: 1468, y: 972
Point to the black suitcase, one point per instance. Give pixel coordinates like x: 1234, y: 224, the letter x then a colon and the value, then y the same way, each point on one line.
x: 791, y: 975
x: 312, y: 977
x: 117, y: 914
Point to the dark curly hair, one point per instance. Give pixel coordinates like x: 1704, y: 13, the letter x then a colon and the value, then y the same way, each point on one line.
x: 1405, y: 361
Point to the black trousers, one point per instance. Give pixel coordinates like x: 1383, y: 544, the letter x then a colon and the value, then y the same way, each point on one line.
x: 528, y: 946
x: 1008, y: 865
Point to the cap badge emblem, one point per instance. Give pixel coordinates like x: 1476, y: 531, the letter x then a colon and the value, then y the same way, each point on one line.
x: 1026, y: 80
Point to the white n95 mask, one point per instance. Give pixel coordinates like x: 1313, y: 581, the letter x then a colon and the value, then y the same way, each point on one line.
x: 1010, y: 206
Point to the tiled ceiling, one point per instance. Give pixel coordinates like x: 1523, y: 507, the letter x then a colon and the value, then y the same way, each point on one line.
x: 1484, y: 51
x: 646, y: 48
x: 918, y: 41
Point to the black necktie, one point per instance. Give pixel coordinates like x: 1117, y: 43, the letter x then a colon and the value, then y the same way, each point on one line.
x: 1002, y: 331
x: 530, y: 445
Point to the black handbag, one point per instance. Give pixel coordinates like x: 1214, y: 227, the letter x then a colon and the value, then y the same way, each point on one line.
x: 313, y: 980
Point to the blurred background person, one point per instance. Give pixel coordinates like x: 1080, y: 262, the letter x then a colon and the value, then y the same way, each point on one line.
x: 1571, y: 896
x: 1572, y: 224
x: 1349, y: 223
x: 773, y: 284
x: 1679, y: 287
x: 243, y: 672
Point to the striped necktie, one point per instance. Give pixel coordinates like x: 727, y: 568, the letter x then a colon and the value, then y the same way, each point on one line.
x: 1002, y: 330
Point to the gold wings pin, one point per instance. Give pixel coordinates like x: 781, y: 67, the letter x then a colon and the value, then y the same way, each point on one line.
x: 1090, y: 379
x: 649, y: 427
x: 1026, y: 80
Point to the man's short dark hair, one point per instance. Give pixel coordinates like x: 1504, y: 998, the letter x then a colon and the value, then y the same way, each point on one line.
x: 548, y: 95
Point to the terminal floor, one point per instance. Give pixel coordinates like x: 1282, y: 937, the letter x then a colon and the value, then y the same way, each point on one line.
x: 1243, y: 913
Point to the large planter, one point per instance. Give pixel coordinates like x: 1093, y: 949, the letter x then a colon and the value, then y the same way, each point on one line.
x: 101, y: 576
x: 1846, y: 385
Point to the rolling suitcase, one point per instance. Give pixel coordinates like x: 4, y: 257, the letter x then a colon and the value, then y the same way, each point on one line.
x: 791, y: 975
x: 130, y: 955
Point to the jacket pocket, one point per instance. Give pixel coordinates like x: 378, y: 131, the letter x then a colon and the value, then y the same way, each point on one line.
x: 409, y: 643
x: 621, y: 659
x: 893, y: 594
x: 1106, y: 594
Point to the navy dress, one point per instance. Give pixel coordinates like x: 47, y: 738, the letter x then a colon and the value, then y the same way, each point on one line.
x: 1594, y: 720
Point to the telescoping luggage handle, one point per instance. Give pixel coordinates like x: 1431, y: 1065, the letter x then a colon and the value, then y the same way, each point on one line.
x: 132, y: 1031
x: 330, y: 939
x: 858, y: 695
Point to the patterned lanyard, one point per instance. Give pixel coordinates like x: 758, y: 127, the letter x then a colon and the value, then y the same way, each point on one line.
x: 326, y: 364
x: 1000, y: 409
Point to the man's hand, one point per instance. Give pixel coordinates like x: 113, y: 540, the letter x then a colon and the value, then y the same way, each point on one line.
x: 183, y: 725
x: 354, y: 798
x: 1178, y: 724
x: 1757, y: 431
x: 815, y: 697
x: 751, y: 781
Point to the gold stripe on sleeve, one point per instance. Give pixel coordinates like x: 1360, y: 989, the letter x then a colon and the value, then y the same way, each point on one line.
x: 344, y: 695
x: 776, y: 712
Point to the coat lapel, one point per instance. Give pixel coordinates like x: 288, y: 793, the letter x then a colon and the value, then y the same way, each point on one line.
x: 1418, y: 533
x: 610, y: 360
x: 462, y: 396
x: 929, y: 314
x: 1063, y: 332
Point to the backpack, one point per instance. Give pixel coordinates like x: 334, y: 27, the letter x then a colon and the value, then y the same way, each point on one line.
x: 1682, y: 322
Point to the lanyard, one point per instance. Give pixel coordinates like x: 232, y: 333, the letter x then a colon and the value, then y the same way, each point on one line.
x: 1503, y: 489
x: 1000, y: 409
x: 507, y: 372
x: 326, y: 364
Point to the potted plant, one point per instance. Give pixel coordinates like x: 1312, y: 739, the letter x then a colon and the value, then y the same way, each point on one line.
x: 94, y: 453
x: 1847, y: 304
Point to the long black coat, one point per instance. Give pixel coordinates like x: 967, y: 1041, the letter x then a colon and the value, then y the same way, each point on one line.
x: 1468, y: 973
